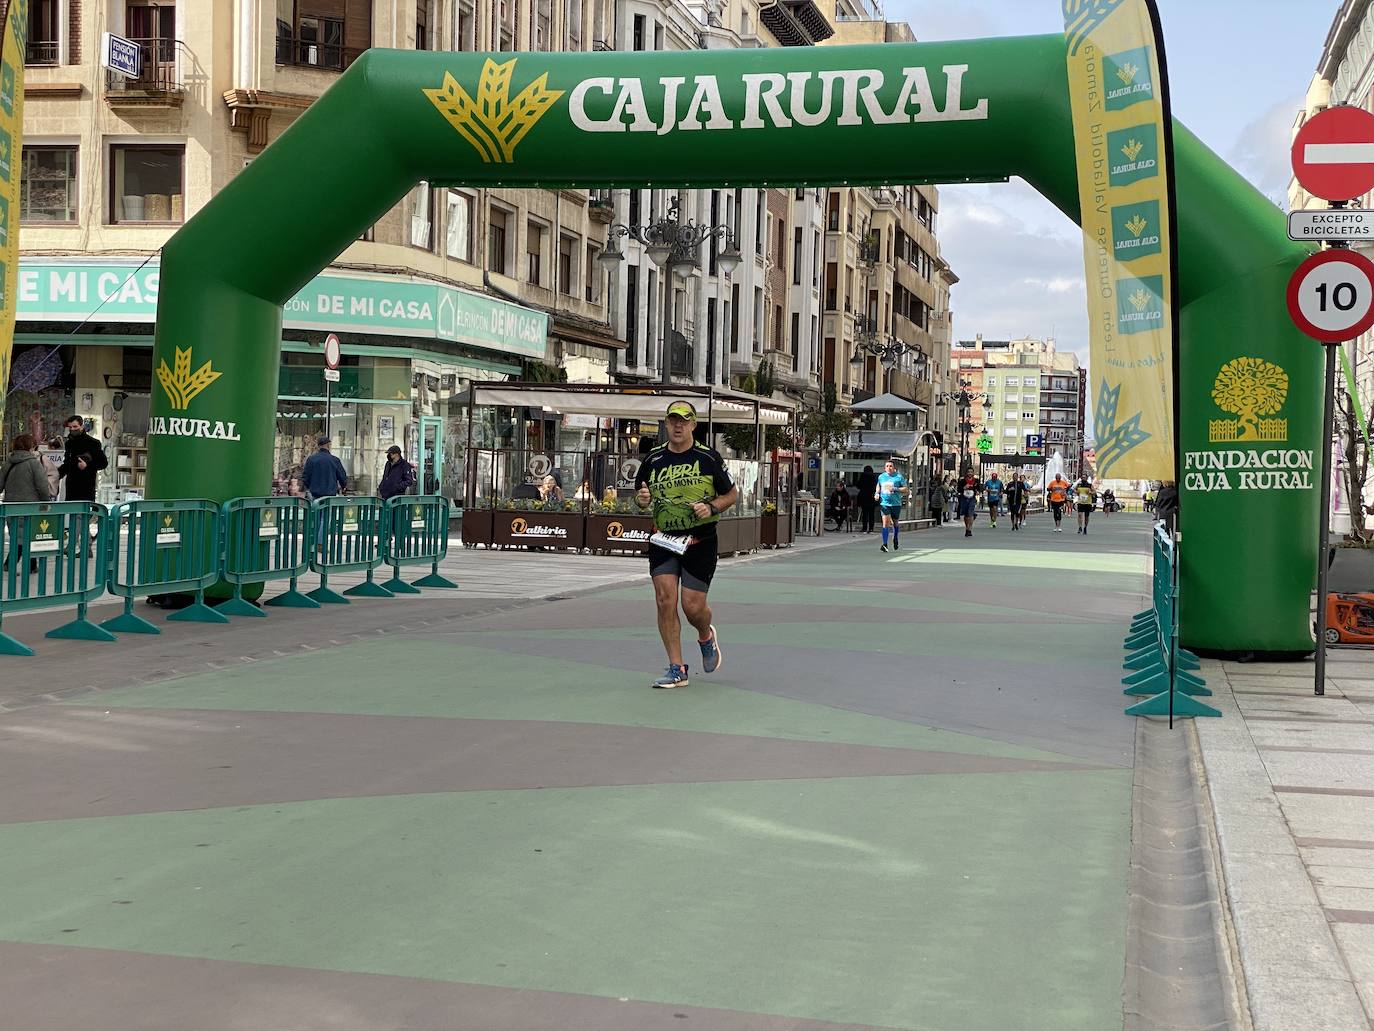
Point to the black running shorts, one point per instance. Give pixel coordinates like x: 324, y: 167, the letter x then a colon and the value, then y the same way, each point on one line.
x: 694, y: 569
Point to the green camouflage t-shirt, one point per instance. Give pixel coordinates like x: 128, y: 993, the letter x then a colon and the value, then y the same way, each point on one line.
x: 677, y: 481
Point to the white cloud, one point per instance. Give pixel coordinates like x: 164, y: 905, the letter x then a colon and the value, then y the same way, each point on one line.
x: 1261, y: 152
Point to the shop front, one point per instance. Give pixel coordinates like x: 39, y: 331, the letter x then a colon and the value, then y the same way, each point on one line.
x: 411, y: 349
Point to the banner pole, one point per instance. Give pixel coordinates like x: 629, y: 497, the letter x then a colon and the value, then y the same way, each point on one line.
x: 1324, y: 520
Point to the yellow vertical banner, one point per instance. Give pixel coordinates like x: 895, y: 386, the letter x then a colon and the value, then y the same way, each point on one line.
x: 15, y: 39
x: 1123, y: 142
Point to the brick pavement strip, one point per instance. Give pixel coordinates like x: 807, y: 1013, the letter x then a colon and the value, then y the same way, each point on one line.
x: 1289, y: 779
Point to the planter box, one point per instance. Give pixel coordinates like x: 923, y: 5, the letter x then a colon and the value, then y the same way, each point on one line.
x: 727, y: 536
x: 747, y: 534
x: 628, y: 533
x: 476, y: 527
x: 775, y: 531
x: 539, y: 529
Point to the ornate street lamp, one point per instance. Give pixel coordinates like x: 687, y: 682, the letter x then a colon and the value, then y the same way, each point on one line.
x: 962, y: 399
x: 674, y: 246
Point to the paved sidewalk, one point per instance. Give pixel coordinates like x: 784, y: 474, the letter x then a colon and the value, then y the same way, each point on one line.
x: 1290, y: 777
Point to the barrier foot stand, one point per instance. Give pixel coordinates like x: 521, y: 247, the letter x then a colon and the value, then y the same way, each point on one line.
x: 127, y: 623
x: 80, y: 629
x: 1193, y: 685
x: 1136, y: 641
x: 1158, y: 682
x: 435, y: 580
x: 398, y: 586
x: 1159, y: 706
x: 1187, y: 660
x: 9, y: 646
x: 1143, y: 659
x: 369, y: 588
x: 236, y: 606
x: 1144, y: 674
x: 1143, y: 615
x: 292, y: 599
x: 325, y: 595
x: 198, y: 613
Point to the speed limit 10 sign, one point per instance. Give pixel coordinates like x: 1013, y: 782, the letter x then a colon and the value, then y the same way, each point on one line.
x: 1331, y: 296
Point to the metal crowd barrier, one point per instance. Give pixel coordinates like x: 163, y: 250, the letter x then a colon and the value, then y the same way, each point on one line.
x: 1159, y: 670
x: 348, y: 536
x: 418, y: 534
x: 266, y: 539
x: 163, y: 547
x: 53, y: 553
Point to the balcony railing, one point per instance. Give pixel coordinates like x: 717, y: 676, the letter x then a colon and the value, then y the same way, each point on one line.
x: 42, y: 52
x: 159, y: 81
x: 311, y: 53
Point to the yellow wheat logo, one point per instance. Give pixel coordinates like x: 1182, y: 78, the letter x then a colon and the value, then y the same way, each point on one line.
x: 1132, y: 149
x: 493, y: 123
x: 1139, y: 299
x: 1252, y: 389
x: 267, y: 517
x: 1137, y: 225
x: 1127, y: 73
x: 43, y: 526
x: 166, y: 520
x: 182, y: 384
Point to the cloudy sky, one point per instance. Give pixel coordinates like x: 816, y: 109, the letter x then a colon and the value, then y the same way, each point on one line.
x: 1239, y: 70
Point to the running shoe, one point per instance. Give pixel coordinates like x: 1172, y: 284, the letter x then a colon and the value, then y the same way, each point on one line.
x: 710, y: 652
x: 883, y: 549
x: 968, y: 533
x: 896, y: 544
x: 673, y: 676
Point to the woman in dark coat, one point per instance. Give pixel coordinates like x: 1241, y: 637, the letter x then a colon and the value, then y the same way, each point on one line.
x: 868, y: 505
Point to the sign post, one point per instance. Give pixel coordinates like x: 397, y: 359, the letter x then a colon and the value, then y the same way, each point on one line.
x: 332, y: 353
x: 1331, y: 299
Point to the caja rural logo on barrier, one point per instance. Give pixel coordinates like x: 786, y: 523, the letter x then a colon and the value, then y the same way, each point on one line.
x: 1255, y: 391
x: 182, y: 386
x: 495, y: 124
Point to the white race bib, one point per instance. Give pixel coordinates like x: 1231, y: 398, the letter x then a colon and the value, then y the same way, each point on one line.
x: 677, y: 545
x: 968, y: 493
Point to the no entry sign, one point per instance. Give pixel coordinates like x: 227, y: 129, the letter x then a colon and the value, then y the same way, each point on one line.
x: 1333, y: 154
x: 1331, y: 296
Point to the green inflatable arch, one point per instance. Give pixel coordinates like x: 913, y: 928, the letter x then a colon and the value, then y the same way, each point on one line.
x: 927, y: 113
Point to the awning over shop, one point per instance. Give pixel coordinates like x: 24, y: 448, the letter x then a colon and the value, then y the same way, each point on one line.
x: 632, y: 403
x: 883, y: 442
x: 886, y: 403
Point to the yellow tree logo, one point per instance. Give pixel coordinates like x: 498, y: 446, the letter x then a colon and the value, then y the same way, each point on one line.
x: 1127, y: 73
x: 1139, y: 300
x: 1137, y: 225
x: 1251, y: 389
x: 493, y: 123
x: 1132, y: 149
x: 181, y: 384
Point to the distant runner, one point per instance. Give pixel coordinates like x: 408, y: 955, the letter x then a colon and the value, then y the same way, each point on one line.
x: 993, y: 489
x: 891, y: 488
x: 968, y: 501
x: 689, y: 488
x: 1059, y: 497
x: 1018, y: 496
x: 1085, y: 498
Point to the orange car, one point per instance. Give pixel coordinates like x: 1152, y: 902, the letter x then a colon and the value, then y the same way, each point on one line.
x: 1350, y: 619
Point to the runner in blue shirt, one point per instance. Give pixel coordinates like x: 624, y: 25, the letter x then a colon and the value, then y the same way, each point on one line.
x: 993, y: 492
x: 891, y: 487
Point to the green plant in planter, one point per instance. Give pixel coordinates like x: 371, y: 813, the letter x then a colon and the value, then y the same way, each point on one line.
x: 770, y: 508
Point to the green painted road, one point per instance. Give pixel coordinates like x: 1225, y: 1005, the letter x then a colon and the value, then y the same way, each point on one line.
x: 904, y: 802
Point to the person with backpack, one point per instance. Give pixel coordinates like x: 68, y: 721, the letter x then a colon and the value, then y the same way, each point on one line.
x: 398, y: 475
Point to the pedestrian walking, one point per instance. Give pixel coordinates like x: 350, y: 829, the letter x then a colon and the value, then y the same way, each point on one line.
x: 1018, y: 494
x: 969, y: 488
x: 689, y: 489
x: 937, y: 501
x: 398, y: 475
x: 891, y: 490
x: 867, y: 486
x: 324, y: 475
x: 23, y: 479
x: 992, y: 490
x: 1059, y: 497
x: 83, y: 462
x: 1085, y: 498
